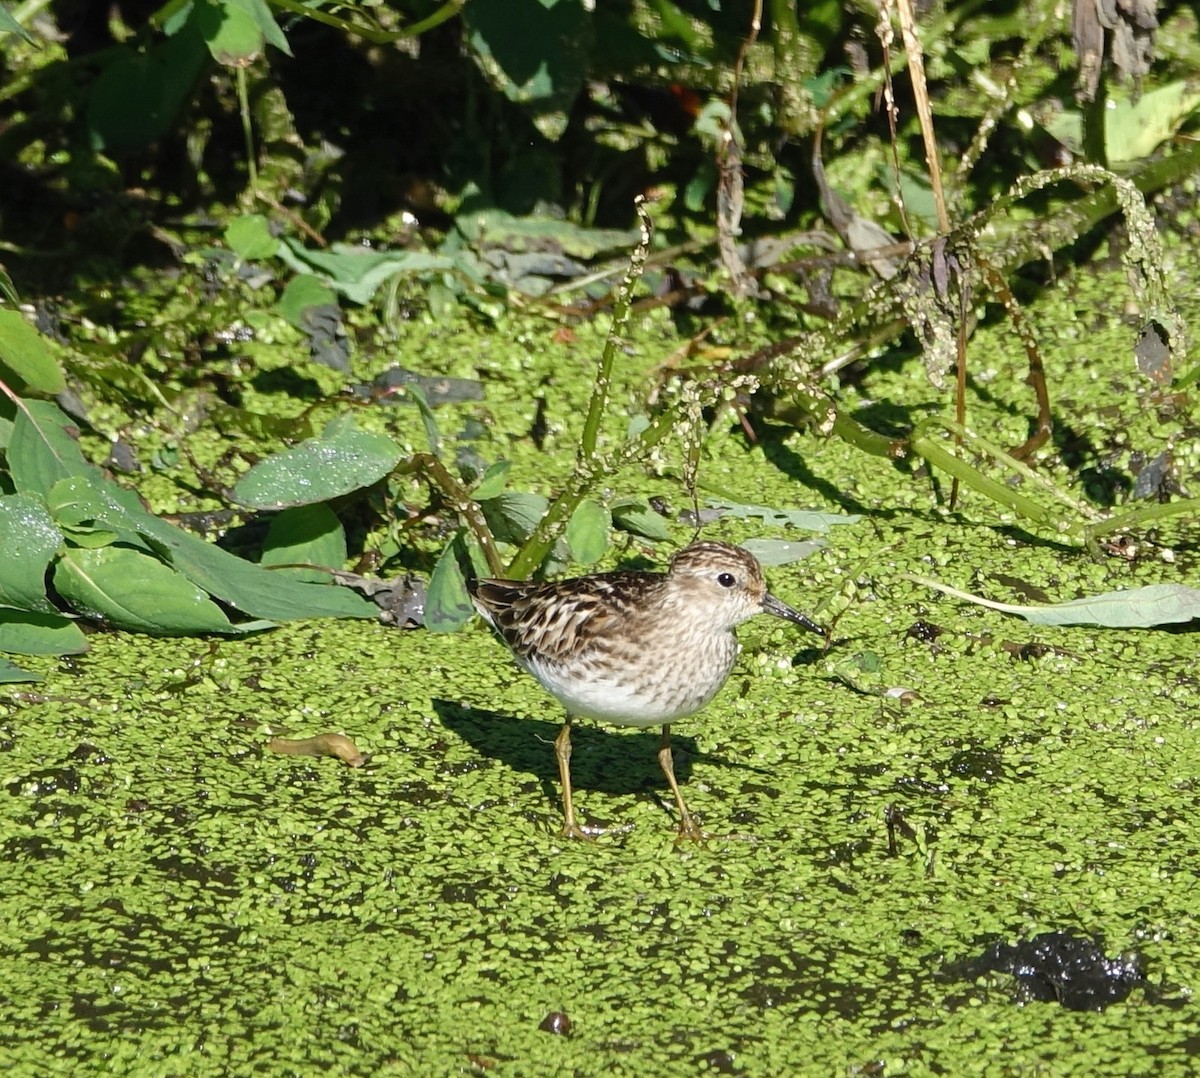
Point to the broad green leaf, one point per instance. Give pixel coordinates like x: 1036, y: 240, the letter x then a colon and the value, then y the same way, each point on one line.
x: 25, y: 356
x: 356, y: 273
x: 303, y: 292
x: 29, y: 541
x: 1134, y: 127
x: 41, y: 452
x: 254, y: 590
x: 475, y: 555
x: 512, y: 515
x: 26, y: 632
x: 236, y: 30
x: 230, y: 32
x: 539, y: 60
x: 10, y: 673
x: 809, y: 519
x: 137, y: 95
x: 319, y: 469
x: 781, y: 551
x: 306, y: 535
x: 587, y: 532
x: 448, y: 604
x: 93, y: 538
x: 271, y: 32
x: 494, y: 480
x: 1137, y: 608
x: 634, y: 515
x: 78, y: 502
x: 249, y: 237
x: 497, y: 228
x: 132, y: 591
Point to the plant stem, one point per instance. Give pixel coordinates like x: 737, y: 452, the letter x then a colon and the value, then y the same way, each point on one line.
x: 460, y: 501
x: 599, y: 402
x: 589, y: 465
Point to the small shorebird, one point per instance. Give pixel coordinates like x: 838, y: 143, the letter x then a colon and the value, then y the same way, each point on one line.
x: 633, y: 648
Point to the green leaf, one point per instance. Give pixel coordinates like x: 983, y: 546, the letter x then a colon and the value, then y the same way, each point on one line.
x: 637, y: 424
x: 1135, y: 127
x: 513, y: 515
x: 319, y: 469
x: 249, y: 237
x: 494, y: 480
x: 10, y: 672
x: 1137, y: 608
x: 132, y: 591
x: 540, y: 59
x: 25, y: 356
x: 587, y: 532
x: 41, y: 452
x: 448, y: 604
x: 498, y: 228
x: 356, y: 273
x: 26, y: 632
x: 302, y: 293
x: 428, y: 420
x: 29, y: 540
x: 254, y: 590
x: 271, y: 31
x: 781, y: 551
x: 8, y: 290
x: 306, y: 535
x: 10, y: 25
x: 137, y: 95
x: 236, y: 30
x: 809, y: 519
x: 634, y: 515
x: 76, y: 504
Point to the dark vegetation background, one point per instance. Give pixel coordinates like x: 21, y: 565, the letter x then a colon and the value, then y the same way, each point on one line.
x: 217, y: 216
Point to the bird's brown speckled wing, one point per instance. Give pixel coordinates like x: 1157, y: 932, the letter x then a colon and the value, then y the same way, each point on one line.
x: 558, y: 621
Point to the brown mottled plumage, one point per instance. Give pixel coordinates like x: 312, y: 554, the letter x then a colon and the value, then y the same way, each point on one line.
x: 633, y: 648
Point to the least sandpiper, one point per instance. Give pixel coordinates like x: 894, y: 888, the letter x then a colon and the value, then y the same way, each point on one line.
x: 633, y: 648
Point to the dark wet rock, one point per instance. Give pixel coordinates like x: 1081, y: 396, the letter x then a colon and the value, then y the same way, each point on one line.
x: 1061, y: 966
x: 557, y: 1023
x: 923, y: 631
x: 720, y: 1061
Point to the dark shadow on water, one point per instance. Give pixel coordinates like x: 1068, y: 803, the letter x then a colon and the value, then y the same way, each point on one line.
x: 605, y: 759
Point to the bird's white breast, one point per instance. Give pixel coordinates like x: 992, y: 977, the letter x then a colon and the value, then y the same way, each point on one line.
x: 650, y: 696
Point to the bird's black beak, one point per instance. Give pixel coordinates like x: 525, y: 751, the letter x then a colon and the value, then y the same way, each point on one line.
x: 779, y: 609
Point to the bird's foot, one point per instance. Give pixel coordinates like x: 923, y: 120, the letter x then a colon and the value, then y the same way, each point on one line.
x: 692, y: 833
x: 572, y: 829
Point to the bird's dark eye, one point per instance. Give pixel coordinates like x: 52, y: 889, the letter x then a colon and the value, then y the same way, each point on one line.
x: 727, y: 580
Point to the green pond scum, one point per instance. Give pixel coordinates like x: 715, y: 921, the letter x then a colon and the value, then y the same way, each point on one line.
x: 178, y: 900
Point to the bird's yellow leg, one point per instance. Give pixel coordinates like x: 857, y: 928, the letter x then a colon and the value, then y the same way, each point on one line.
x: 562, y: 752
x: 687, y: 826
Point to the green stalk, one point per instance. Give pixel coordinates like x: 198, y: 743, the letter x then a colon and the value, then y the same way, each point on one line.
x: 460, y: 501
x: 599, y: 401
x: 1138, y: 517
x: 933, y: 451
x: 590, y: 467
x: 243, y: 94
x: 1027, y: 473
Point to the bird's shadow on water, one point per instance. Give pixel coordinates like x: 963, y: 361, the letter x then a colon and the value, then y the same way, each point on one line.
x: 604, y: 760
x: 611, y: 762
